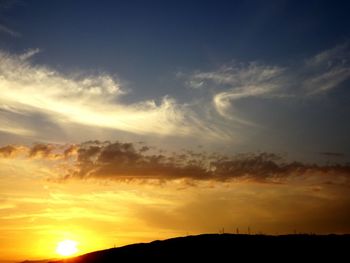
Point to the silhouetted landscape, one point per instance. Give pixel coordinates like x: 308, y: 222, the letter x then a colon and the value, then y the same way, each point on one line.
x: 224, y: 247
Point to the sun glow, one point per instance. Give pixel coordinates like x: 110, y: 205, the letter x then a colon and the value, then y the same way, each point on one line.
x: 66, y: 248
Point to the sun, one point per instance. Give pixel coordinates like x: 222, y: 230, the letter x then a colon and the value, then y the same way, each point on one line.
x: 66, y: 248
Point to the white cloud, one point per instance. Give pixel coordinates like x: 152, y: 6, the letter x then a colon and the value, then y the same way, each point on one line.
x: 241, y: 81
x: 92, y: 100
x: 39, y: 92
x: 223, y: 101
x: 317, y: 75
x: 30, y: 53
x: 238, y: 75
x: 88, y: 100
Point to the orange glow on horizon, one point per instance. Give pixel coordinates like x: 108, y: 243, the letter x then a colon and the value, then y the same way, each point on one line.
x: 37, y: 214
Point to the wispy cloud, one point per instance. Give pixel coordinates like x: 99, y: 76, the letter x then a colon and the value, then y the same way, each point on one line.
x: 6, y: 30
x: 223, y: 101
x: 30, y: 53
x: 17, y: 131
x: 330, y: 57
x: 93, y: 100
x: 316, y: 75
x: 327, y: 70
x: 97, y: 101
x: 239, y: 81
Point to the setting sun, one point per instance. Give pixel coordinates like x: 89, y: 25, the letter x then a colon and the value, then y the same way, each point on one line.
x: 66, y: 248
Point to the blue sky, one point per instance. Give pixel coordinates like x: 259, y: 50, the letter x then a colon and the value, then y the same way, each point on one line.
x: 189, y: 59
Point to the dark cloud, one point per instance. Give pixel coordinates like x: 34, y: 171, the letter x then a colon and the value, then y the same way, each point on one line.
x: 9, y: 151
x: 71, y: 150
x: 122, y: 161
x: 52, y: 151
x: 39, y: 151
x: 144, y: 149
x: 128, y: 161
x: 333, y: 154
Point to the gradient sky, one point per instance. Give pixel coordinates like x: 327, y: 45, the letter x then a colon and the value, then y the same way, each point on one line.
x: 128, y: 121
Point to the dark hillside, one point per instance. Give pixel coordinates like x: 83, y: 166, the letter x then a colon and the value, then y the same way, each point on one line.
x: 227, y: 247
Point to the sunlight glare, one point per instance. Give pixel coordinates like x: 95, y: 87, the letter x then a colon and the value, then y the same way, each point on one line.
x: 66, y: 248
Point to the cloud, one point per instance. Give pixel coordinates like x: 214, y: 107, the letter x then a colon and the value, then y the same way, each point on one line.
x: 128, y: 161
x: 317, y: 75
x: 270, y: 167
x: 6, y: 30
x: 92, y: 100
x: 11, y: 151
x: 239, y: 81
x: 327, y: 70
x: 123, y: 161
x: 223, y: 101
x: 239, y: 74
x: 39, y: 151
x: 66, y: 102
x: 333, y: 154
x: 51, y: 151
x: 328, y: 80
x: 4, y: 6
x: 30, y: 53
x: 17, y: 131
x: 330, y: 57
x: 71, y: 150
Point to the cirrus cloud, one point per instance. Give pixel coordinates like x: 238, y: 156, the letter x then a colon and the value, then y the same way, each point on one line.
x: 92, y: 100
x: 315, y: 76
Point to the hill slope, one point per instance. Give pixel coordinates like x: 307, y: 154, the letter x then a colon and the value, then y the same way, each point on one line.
x: 226, y: 247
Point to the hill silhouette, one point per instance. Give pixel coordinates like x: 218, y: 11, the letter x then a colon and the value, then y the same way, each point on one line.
x: 226, y: 247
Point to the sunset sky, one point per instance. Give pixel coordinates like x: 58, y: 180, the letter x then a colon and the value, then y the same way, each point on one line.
x: 130, y: 121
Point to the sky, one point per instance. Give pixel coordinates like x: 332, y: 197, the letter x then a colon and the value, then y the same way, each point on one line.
x: 129, y: 121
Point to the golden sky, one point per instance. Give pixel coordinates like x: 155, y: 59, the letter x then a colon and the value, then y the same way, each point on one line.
x: 50, y: 193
